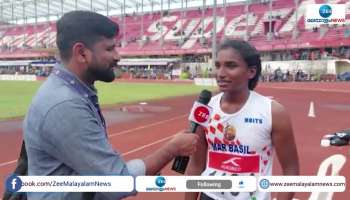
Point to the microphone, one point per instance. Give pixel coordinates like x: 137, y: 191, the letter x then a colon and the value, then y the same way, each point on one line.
x: 199, y: 115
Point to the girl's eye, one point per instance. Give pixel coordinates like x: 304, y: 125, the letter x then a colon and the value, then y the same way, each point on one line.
x: 217, y: 65
x: 231, y: 64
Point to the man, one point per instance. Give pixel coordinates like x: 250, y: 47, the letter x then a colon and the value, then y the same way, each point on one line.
x: 64, y: 130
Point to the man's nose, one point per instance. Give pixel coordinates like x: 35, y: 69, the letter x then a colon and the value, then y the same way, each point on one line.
x: 116, y: 55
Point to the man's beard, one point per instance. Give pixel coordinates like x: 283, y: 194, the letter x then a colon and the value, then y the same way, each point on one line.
x: 102, y: 74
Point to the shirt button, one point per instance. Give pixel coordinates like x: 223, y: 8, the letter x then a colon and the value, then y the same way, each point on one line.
x: 72, y: 82
x: 86, y: 95
x: 57, y: 72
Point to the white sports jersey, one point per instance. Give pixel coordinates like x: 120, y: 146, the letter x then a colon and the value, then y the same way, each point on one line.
x: 240, y: 144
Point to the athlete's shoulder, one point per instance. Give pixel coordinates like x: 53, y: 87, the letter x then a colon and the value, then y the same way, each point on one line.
x: 278, y: 108
x: 260, y: 96
x: 280, y: 115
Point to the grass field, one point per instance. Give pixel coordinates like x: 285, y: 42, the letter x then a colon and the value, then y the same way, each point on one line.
x: 15, y: 96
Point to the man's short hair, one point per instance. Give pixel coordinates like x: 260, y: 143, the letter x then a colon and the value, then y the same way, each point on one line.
x: 82, y: 26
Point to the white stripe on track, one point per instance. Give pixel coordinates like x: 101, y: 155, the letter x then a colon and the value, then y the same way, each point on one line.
x: 147, y: 145
x: 147, y: 126
x: 304, y: 89
x: 125, y: 132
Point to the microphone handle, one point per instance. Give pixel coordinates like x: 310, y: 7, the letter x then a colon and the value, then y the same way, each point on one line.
x: 181, y: 162
x: 193, y: 127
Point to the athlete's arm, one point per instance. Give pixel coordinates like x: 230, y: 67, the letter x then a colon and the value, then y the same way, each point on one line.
x: 284, y: 144
x: 197, y: 161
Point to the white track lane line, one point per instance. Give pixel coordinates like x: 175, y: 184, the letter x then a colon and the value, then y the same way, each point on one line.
x: 147, y: 126
x: 8, y: 163
x: 124, y: 154
x: 124, y: 132
x: 304, y: 89
x: 147, y: 145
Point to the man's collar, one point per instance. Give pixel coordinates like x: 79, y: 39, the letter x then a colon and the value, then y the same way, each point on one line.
x: 61, y: 71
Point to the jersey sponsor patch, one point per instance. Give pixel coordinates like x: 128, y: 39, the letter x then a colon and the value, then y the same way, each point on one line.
x: 234, y: 163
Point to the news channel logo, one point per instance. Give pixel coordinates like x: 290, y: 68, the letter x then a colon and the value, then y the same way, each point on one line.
x: 264, y: 183
x: 160, y: 181
x: 13, y: 183
x: 325, y: 11
x: 241, y: 184
x: 325, y: 14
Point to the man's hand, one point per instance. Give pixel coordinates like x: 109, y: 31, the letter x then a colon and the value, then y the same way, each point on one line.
x: 184, y: 144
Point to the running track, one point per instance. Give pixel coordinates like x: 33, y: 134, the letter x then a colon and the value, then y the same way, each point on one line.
x: 137, y: 138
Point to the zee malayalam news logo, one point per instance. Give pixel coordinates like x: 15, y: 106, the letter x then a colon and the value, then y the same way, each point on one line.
x: 325, y: 14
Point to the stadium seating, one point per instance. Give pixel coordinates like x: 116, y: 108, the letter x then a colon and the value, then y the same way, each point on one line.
x: 21, y: 40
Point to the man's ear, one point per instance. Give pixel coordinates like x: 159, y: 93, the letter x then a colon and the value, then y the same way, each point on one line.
x: 80, y: 52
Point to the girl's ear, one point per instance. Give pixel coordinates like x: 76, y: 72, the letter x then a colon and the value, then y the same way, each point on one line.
x: 251, y: 72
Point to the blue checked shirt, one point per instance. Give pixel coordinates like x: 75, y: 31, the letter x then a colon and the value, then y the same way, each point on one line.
x: 65, y: 134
